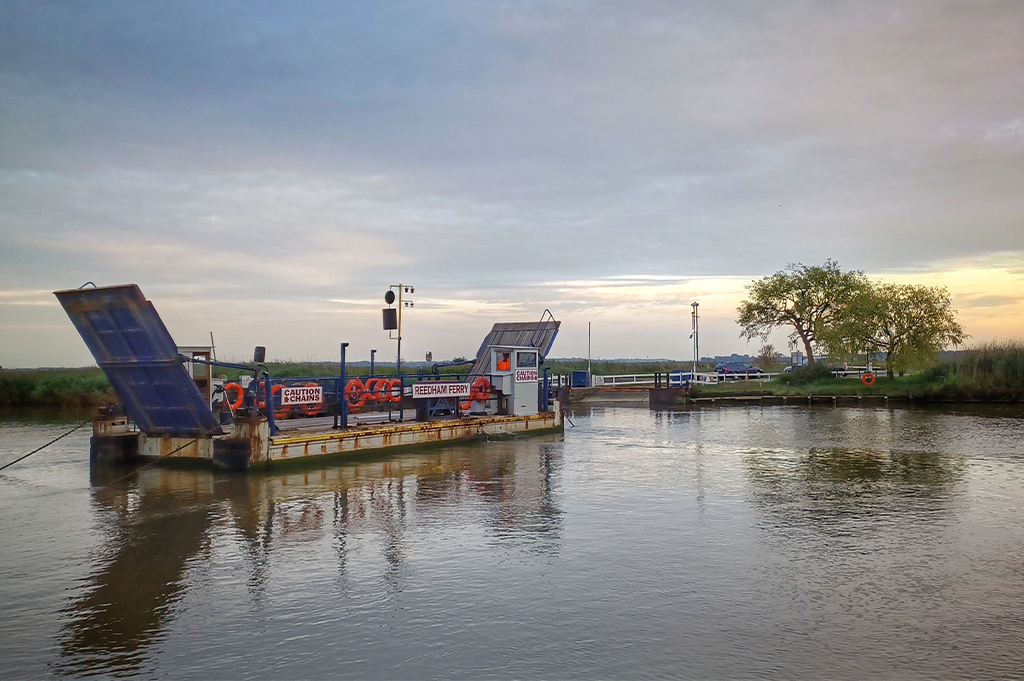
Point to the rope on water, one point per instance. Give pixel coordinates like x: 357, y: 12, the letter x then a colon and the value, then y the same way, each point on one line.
x: 39, y: 449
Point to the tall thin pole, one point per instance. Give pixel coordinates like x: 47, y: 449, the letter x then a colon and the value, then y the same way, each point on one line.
x: 696, y: 344
x: 342, y: 397
x: 398, y: 362
x: 588, y: 352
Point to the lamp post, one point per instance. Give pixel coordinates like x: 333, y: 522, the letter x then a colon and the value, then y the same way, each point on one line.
x: 393, y: 321
x: 404, y: 291
x: 694, y: 323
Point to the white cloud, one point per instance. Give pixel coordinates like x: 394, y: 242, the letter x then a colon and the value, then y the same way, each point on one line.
x: 609, y: 161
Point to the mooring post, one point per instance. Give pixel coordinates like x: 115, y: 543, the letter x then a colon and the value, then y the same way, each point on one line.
x: 268, y: 395
x: 547, y: 387
x: 401, y: 396
x: 343, y: 409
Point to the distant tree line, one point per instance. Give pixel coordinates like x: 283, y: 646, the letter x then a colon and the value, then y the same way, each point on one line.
x: 844, y: 314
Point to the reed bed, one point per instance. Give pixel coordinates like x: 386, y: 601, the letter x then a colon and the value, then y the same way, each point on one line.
x: 54, y: 388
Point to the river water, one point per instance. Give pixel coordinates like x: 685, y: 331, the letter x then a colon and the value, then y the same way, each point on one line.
x: 723, y: 543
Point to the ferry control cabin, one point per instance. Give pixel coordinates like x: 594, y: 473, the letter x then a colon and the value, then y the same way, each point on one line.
x: 173, y: 405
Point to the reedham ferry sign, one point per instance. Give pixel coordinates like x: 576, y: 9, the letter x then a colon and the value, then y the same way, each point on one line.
x: 430, y: 389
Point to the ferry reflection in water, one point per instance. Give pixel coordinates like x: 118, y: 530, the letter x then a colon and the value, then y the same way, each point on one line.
x: 159, y: 523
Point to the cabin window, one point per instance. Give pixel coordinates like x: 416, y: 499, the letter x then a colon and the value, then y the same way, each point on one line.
x: 526, y: 359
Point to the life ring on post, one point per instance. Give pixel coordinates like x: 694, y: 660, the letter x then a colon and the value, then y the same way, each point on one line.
x: 868, y: 379
x: 237, y: 404
x: 312, y: 409
x: 355, y: 393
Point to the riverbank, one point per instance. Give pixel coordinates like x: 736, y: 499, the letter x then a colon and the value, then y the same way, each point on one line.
x: 55, y: 388
x: 924, y: 387
x: 989, y: 373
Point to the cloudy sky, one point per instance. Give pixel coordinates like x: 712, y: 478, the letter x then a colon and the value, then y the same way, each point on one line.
x: 265, y: 170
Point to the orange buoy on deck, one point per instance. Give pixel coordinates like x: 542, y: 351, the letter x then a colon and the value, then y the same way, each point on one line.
x: 237, y: 404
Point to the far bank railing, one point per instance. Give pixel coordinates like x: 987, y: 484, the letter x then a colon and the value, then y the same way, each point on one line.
x: 675, y: 379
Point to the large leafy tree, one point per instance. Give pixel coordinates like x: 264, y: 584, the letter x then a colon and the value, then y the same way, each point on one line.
x: 806, y: 298
x: 908, y: 322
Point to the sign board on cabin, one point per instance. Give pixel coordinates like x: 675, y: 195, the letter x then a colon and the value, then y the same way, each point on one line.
x: 434, y: 390
x: 526, y: 375
x: 302, y: 394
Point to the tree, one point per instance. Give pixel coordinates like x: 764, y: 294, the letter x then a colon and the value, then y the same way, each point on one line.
x: 804, y: 297
x: 767, y: 357
x: 908, y: 322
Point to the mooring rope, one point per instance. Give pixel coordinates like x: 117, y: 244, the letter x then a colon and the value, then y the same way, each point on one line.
x: 39, y: 449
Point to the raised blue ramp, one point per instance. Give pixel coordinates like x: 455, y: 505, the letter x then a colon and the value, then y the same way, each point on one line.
x: 139, y: 357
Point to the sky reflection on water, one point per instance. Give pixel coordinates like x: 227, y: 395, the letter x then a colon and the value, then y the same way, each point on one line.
x: 706, y: 543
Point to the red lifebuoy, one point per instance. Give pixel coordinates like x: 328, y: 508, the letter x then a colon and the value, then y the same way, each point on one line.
x: 355, y: 393
x: 480, y: 392
x: 868, y: 379
x: 379, y: 392
x: 237, y: 404
x: 482, y: 388
x: 393, y: 395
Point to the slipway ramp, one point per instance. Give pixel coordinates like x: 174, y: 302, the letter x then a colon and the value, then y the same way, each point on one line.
x: 134, y: 349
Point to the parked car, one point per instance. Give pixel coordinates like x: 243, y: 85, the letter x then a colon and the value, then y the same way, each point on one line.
x: 738, y: 368
x: 835, y: 369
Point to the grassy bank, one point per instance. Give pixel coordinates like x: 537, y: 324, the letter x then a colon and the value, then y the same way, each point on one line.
x: 992, y: 372
x: 54, y: 388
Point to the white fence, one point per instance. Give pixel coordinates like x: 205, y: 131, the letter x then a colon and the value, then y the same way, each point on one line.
x: 679, y: 378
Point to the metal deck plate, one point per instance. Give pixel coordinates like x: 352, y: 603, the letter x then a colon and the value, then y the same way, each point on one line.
x: 131, y: 344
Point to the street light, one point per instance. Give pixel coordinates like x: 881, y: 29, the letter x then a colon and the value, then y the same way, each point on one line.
x: 404, y: 291
x: 694, y: 324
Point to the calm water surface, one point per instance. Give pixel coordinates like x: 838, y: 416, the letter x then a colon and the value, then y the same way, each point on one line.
x: 726, y: 543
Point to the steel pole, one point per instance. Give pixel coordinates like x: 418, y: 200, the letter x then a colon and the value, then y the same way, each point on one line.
x: 268, y: 395
x: 344, y: 398
x: 398, y: 361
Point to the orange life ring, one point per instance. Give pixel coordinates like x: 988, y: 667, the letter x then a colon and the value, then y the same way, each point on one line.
x: 481, y: 388
x: 355, y: 393
x: 379, y: 391
x: 480, y: 391
x: 278, y: 413
x: 394, y: 396
x: 312, y: 409
x: 868, y: 379
x: 237, y: 404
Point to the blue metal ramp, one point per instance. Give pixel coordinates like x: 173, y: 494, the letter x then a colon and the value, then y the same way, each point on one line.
x: 131, y: 344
